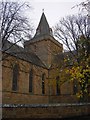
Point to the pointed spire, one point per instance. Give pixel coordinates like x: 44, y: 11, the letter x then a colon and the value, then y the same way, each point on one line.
x: 43, y: 27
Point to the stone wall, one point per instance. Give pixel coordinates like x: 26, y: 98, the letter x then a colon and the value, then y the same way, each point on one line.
x: 46, y: 111
x: 22, y: 95
x: 63, y: 99
x: 45, y: 50
x: 23, y: 98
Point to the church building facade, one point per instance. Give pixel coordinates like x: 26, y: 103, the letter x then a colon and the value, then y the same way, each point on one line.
x: 29, y: 74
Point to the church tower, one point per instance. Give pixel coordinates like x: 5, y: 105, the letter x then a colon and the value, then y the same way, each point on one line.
x: 43, y: 44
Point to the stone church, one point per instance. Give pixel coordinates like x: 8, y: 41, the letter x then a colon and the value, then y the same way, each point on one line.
x: 29, y: 74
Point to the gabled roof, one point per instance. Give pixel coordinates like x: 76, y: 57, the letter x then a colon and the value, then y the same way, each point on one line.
x: 21, y: 53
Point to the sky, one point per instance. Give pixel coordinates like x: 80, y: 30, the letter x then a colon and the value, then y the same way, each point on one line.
x: 54, y: 10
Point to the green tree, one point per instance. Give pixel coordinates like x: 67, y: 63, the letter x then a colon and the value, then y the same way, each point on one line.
x: 74, y: 33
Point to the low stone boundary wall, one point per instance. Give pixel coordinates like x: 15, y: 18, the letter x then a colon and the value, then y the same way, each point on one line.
x: 45, y: 110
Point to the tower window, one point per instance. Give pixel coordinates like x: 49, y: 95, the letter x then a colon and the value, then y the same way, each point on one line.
x: 15, y: 77
x: 43, y: 83
x: 31, y: 81
x: 57, y: 85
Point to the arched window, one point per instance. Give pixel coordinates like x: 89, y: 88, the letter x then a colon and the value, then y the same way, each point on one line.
x: 57, y: 85
x: 43, y: 83
x: 15, y: 77
x: 31, y: 81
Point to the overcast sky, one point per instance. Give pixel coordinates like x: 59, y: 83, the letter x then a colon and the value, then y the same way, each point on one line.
x: 53, y: 9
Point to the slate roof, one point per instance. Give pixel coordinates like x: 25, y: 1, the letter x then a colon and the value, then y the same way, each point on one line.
x: 43, y: 32
x: 43, y: 27
x: 59, y: 58
x: 21, y: 53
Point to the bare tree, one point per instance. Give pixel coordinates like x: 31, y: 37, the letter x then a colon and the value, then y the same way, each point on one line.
x: 71, y: 30
x: 14, y: 25
x: 85, y: 5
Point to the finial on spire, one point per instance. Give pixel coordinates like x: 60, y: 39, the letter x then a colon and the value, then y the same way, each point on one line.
x: 42, y: 10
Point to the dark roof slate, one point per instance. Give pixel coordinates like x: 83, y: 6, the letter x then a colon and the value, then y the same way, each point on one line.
x: 21, y: 53
x: 43, y: 30
x: 43, y: 27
